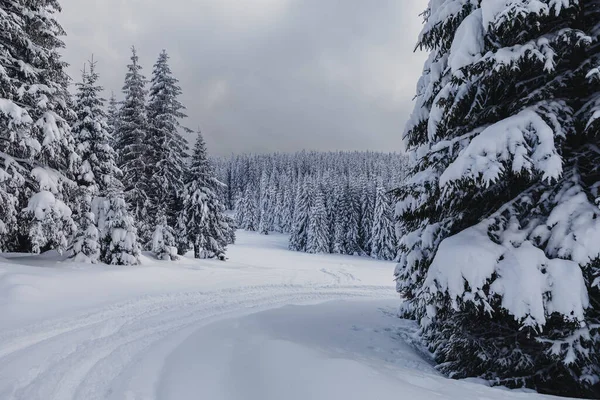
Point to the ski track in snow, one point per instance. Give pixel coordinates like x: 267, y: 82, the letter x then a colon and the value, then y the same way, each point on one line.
x: 81, y: 357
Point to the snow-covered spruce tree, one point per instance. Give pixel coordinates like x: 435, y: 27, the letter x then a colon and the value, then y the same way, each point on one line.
x: 247, y: 211
x: 499, y: 223
x: 266, y: 221
x: 340, y: 219
x: 279, y: 210
x: 240, y: 211
x: 131, y: 145
x: 167, y: 149
x: 86, y: 244
x: 97, y: 170
x: 231, y: 227
x: 352, y: 240
x: 112, y: 118
x: 180, y: 232
x: 163, y: 239
x: 120, y: 243
x: 203, y: 215
x: 365, y: 224
x: 287, y: 218
x: 299, y: 234
x: 318, y: 225
x: 383, y: 237
x: 36, y: 146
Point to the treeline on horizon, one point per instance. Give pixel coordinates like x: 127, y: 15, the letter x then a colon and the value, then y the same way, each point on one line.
x: 329, y: 202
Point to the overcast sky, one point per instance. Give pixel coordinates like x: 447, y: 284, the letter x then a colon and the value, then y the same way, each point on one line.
x: 266, y: 75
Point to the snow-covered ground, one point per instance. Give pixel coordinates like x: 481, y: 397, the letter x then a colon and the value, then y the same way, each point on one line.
x: 267, y: 324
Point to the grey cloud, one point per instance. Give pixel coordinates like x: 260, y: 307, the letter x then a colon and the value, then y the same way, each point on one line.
x: 266, y: 75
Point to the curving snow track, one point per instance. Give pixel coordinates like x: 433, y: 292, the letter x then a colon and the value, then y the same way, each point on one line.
x: 89, y: 355
x: 88, y: 346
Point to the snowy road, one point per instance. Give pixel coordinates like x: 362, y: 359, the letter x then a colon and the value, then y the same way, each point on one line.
x: 211, y: 330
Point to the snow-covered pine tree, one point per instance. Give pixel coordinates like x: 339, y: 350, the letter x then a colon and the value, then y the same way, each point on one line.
x: 37, y: 150
x: 278, y: 209
x: 163, y: 239
x: 230, y: 228
x: 86, y: 244
x: 365, y: 224
x: 131, y: 145
x: 240, y: 211
x: 120, y: 243
x: 167, y: 149
x: 318, y: 225
x: 383, y: 236
x: 265, y: 224
x: 340, y: 218
x: 97, y: 170
x: 299, y: 234
x: 289, y: 195
x: 352, y: 237
x: 499, y: 221
x: 203, y: 216
x: 112, y: 118
x: 248, y: 211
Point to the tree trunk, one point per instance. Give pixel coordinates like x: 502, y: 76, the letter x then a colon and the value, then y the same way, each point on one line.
x: 196, y: 249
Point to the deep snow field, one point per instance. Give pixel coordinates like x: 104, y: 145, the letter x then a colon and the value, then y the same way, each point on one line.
x: 267, y: 324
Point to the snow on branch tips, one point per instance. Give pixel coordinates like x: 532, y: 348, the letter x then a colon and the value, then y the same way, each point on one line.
x: 48, y: 179
x: 468, y: 44
x: 17, y: 115
x: 530, y: 285
x: 524, y: 141
x: 43, y: 203
x: 497, y: 12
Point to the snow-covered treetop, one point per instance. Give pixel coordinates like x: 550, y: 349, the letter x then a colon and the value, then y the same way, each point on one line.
x: 98, y: 170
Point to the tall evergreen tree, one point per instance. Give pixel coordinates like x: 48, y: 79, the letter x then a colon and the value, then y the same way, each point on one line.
x: 203, y: 216
x: 383, y: 237
x: 318, y: 226
x: 499, y: 216
x: 365, y: 225
x: 37, y: 151
x: 246, y: 211
x: 131, y: 144
x: 97, y: 170
x: 340, y: 219
x: 112, y: 118
x: 352, y: 235
x: 266, y: 221
x: 163, y: 239
x: 89, y: 130
x: 167, y: 149
x: 299, y: 234
x: 120, y: 243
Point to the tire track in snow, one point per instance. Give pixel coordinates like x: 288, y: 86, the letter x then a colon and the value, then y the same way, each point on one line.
x: 81, y: 357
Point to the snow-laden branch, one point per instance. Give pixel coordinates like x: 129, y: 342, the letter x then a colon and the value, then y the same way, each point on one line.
x: 524, y: 141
